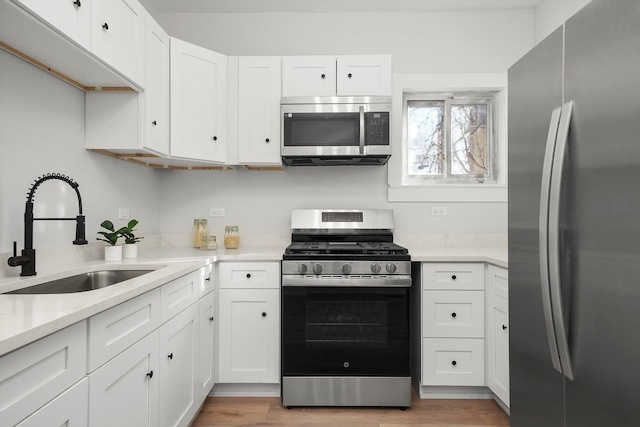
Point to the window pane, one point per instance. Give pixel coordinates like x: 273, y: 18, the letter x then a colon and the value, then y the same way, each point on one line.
x: 425, y: 138
x: 469, y: 139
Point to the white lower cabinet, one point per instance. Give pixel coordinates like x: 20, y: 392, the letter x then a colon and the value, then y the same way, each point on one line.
x: 177, y: 368
x: 249, y: 325
x: 64, y: 410
x: 498, y: 333
x: 206, y: 359
x: 124, y: 391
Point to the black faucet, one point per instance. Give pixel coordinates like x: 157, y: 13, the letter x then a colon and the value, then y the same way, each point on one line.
x: 28, y: 258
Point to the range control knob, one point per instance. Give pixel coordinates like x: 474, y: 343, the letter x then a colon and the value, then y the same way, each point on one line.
x: 346, y: 268
x: 391, y: 267
x: 302, y: 268
x: 375, y: 267
x: 317, y: 268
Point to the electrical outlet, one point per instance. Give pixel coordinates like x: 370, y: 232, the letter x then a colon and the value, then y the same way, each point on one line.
x: 216, y: 212
x: 439, y: 211
x: 123, y: 213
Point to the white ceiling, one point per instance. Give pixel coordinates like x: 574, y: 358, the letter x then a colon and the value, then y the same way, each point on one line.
x: 247, y: 6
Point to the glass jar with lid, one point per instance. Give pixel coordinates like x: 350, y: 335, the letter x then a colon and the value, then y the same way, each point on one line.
x: 209, y: 243
x: 231, y: 237
x: 199, y: 231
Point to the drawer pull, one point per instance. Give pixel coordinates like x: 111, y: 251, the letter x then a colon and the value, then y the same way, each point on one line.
x: 454, y: 277
x: 264, y: 314
x: 454, y: 363
x: 150, y: 374
x: 504, y: 327
x: 208, y: 279
x: 323, y: 76
x: 211, y: 319
x: 170, y: 356
x: 453, y: 315
x: 248, y: 275
x: 105, y: 26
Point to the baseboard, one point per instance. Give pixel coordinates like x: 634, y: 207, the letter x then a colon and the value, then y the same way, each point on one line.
x: 245, y: 390
x: 453, y: 392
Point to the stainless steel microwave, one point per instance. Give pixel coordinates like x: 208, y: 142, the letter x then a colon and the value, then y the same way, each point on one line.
x: 319, y: 131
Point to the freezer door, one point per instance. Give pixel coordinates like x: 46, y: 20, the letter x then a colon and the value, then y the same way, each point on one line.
x: 535, y: 90
x: 602, y: 236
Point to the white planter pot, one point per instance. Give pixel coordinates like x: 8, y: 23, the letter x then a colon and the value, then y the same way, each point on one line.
x: 130, y: 250
x: 113, y: 253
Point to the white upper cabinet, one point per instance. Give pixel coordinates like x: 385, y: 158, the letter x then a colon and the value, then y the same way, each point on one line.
x: 156, y: 94
x: 259, y: 95
x: 117, y: 36
x: 69, y: 17
x: 364, y: 75
x: 349, y: 75
x: 309, y: 76
x: 198, y: 103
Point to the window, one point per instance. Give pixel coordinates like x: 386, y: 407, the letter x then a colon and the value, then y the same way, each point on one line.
x: 449, y: 138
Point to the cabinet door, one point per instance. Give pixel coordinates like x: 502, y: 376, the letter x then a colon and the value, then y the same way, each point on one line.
x: 69, y: 409
x: 177, y: 368
x: 156, y: 93
x: 309, y: 76
x: 71, y: 18
x: 249, y: 336
x: 364, y: 75
x: 198, y: 102
x: 117, y: 36
x: 124, y: 392
x: 498, y: 347
x: 259, y: 110
x: 207, y: 339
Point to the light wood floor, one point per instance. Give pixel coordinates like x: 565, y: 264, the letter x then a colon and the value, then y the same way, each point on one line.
x: 268, y: 411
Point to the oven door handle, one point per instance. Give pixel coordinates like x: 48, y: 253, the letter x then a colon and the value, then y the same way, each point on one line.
x: 346, y: 281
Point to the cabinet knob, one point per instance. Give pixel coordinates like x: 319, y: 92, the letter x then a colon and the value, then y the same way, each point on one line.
x: 454, y: 363
x: 208, y: 279
x: 211, y: 319
x: 150, y: 374
x: 77, y: 3
x: 454, y: 277
x: 453, y: 314
x: 267, y: 140
x: 170, y: 356
x: 215, y: 138
x: 264, y: 314
x: 155, y: 123
x: 248, y: 275
x: 323, y: 76
x: 504, y: 327
x: 349, y: 75
x: 105, y: 26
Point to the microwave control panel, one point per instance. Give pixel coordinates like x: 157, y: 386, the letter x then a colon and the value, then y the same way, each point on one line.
x: 377, y: 128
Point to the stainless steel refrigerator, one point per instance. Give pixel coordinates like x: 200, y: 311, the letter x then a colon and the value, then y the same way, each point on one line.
x: 574, y: 223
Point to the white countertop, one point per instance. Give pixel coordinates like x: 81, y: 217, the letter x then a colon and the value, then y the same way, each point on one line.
x: 26, y: 318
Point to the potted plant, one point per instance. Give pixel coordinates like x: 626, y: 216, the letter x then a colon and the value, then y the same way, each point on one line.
x: 112, y: 252
x: 130, y: 248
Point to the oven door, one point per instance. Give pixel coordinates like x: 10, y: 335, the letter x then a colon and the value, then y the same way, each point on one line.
x: 345, y: 331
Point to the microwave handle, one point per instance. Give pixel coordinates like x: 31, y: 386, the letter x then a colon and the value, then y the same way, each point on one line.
x: 362, y: 130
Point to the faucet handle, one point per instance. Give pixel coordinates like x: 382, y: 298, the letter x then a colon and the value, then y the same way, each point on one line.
x: 15, y: 248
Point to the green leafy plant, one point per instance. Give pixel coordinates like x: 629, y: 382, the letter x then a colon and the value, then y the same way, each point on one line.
x: 112, y: 235
x: 128, y: 233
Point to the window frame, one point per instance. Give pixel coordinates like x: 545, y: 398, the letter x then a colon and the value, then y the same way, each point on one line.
x: 448, y: 99
x: 495, y: 191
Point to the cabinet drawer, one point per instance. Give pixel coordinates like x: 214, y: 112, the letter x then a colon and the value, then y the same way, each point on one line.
x: 250, y: 275
x: 112, y: 331
x: 65, y: 410
x: 498, y: 281
x: 451, y: 361
x: 453, y: 314
x: 179, y: 294
x: 462, y: 276
x: 36, y: 373
x: 208, y: 279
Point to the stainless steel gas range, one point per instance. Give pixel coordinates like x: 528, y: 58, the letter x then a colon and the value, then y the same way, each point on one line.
x: 345, y: 311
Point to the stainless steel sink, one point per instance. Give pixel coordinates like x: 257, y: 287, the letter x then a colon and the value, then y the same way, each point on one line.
x: 82, y: 282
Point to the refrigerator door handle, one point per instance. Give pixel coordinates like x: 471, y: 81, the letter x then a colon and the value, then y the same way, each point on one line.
x: 543, y: 238
x: 554, y: 240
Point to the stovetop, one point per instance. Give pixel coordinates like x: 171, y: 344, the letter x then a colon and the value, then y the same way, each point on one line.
x: 345, y: 250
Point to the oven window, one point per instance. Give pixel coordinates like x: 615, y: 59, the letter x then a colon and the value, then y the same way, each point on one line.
x: 321, y: 129
x: 346, y: 331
